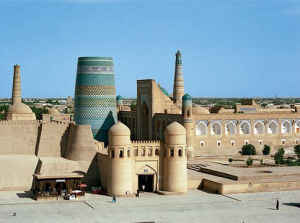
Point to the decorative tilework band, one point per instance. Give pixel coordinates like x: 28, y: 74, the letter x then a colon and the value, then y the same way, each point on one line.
x: 95, y: 90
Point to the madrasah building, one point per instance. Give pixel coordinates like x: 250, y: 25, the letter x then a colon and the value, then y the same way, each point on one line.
x: 210, y: 132
x: 107, y: 144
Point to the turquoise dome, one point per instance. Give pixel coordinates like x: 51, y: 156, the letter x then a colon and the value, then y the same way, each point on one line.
x: 119, y: 97
x: 186, y: 97
x: 164, y: 91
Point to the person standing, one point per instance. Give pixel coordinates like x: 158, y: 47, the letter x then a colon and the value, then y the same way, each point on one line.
x: 114, y: 200
x: 277, y: 204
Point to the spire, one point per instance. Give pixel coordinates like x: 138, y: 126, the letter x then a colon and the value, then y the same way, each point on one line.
x: 16, y: 91
x: 178, y: 90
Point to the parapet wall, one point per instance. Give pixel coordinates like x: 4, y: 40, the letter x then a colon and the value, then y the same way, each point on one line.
x: 18, y: 137
x: 23, y: 142
x: 52, y: 139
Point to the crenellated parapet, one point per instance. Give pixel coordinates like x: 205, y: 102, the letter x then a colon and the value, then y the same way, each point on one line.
x: 136, y: 142
x: 18, y: 122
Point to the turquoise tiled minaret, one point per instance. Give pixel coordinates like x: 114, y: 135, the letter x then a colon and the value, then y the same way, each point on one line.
x: 95, y: 95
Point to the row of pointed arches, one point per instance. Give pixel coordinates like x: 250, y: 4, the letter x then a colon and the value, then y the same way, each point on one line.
x: 231, y: 128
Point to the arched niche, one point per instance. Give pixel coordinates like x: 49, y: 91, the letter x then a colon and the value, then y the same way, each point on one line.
x: 259, y: 128
x: 216, y: 128
x: 201, y: 129
x: 272, y: 127
x: 230, y: 128
x: 286, y: 127
x: 245, y: 128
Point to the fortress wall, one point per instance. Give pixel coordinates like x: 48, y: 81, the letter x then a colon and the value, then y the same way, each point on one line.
x: 18, y: 137
x: 81, y: 144
x: 53, y: 139
x: 103, y: 162
x: 18, y: 175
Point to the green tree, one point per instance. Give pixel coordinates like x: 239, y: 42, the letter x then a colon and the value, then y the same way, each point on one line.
x: 249, y: 161
x: 266, y: 150
x: 248, y: 150
x: 230, y: 160
x: 297, y: 150
x: 133, y: 105
x: 264, y: 105
x: 279, y: 155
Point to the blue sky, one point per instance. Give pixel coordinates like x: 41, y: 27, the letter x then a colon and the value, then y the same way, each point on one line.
x: 230, y: 48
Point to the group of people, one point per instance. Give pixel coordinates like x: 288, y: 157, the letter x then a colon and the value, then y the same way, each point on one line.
x: 114, y: 199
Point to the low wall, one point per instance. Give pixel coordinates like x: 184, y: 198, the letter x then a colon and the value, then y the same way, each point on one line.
x: 216, y: 187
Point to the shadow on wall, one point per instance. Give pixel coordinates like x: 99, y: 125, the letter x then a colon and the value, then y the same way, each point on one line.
x: 92, y: 177
x: 38, y: 139
x: 64, y: 142
x: 102, y: 134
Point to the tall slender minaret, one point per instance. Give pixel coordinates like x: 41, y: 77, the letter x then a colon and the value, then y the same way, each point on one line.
x: 178, y: 90
x: 18, y: 110
x: 16, y: 91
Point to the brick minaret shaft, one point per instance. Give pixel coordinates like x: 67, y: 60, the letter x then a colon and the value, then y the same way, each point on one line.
x: 16, y: 91
x: 178, y: 90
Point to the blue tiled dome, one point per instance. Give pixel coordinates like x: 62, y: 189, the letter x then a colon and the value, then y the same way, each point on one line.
x: 119, y: 97
x: 164, y: 91
x: 186, y: 97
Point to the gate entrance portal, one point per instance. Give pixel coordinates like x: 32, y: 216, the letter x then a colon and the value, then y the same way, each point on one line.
x: 147, y: 181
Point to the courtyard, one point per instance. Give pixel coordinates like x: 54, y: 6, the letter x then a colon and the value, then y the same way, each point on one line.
x: 196, y: 206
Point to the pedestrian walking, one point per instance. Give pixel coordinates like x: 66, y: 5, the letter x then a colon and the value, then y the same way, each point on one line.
x: 137, y: 193
x: 114, y: 200
x: 277, y: 204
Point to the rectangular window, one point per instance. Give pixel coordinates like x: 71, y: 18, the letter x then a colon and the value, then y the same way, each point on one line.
x: 219, y: 143
x: 260, y: 142
x: 232, y: 143
x: 136, y: 153
x: 171, y: 152
x: 156, y: 151
x: 246, y: 142
x: 149, y: 151
x: 283, y: 141
x: 143, y: 151
x: 112, y: 153
x: 201, y: 143
x: 296, y: 141
x: 121, y: 153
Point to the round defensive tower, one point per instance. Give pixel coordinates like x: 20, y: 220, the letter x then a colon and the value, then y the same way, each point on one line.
x: 175, y: 160
x: 95, y: 95
x: 187, y: 122
x: 120, y: 166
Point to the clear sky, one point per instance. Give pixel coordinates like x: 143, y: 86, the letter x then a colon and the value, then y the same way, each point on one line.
x: 230, y: 48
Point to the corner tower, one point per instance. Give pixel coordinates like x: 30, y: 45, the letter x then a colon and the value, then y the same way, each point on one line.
x: 178, y: 90
x: 119, y: 168
x: 95, y: 95
x: 175, y: 160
